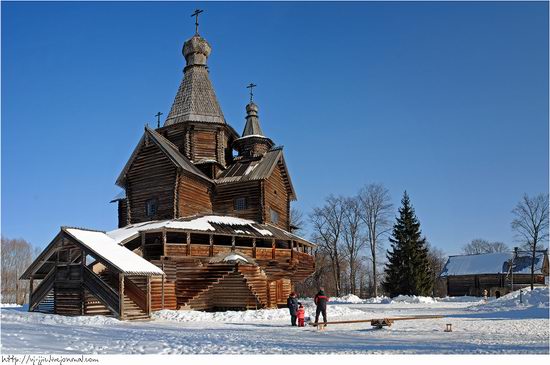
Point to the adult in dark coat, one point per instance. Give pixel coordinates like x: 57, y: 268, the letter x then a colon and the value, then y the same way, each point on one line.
x: 321, y: 302
x: 292, y: 304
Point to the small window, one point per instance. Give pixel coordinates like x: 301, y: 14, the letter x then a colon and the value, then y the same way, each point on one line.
x: 274, y: 216
x: 151, y: 207
x: 240, y: 204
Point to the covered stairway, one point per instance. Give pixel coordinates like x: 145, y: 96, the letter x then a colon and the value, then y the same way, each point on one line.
x: 83, y: 272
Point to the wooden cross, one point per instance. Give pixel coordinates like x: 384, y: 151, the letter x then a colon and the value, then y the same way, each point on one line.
x: 196, y: 15
x: 251, y: 86
x: 158, y: 119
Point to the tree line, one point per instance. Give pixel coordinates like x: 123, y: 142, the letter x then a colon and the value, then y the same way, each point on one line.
x: 352, y: 234
x: 16, y: 256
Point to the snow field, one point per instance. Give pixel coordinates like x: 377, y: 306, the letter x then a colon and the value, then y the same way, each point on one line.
x: 502, y: 326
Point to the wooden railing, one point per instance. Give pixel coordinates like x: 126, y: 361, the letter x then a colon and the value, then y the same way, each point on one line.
x: 42, y: 289
x: 136, y: 294
x: 101, y: 290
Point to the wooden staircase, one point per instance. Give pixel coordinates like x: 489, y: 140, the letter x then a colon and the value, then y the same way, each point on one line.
x: 46, y: 305
x: 256, y: 281
x: 193, y: 283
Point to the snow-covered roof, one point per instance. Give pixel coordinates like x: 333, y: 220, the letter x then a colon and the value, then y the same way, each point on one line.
x: 206, y: 223
x: 492, y: 263
x: 109, y: 249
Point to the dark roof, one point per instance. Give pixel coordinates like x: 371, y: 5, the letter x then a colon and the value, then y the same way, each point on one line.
x: 249, y: 170
x: 169, y: 149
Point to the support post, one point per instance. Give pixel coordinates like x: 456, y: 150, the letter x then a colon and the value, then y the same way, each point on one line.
x: 211, y: 242
x: 188, y: 240
x: 82, y: 293
x: 31, y: 288
x: 121, y: 295
x: 232, y: 243
x: 162, y: 287
x: 273, y: 248
x: 149, y: 295
x: 254, y: 247
x: 164, y: 242
x: 143, y: 245
x: 291, y: 249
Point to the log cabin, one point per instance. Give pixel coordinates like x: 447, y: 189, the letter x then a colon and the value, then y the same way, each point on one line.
x: 498, y: 273
x: 203, y: 220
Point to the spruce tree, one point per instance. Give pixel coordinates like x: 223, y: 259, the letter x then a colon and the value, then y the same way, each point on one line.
x: 408, y: 269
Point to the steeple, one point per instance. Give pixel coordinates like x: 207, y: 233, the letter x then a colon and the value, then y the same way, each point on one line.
x: 196, y: 100
x: 253, y: 142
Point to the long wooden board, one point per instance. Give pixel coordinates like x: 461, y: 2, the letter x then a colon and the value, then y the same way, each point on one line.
x: 376, y: 319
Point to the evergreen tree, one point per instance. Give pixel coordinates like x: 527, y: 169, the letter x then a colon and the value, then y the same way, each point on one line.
x: 408, y: 269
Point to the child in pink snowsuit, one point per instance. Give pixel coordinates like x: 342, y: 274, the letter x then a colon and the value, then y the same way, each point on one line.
x: 300, y: 313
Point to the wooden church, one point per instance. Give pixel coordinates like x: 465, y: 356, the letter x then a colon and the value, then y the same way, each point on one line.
x: 204, y: 220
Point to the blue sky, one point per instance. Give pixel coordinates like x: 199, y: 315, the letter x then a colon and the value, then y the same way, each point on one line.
x: 446, y: 100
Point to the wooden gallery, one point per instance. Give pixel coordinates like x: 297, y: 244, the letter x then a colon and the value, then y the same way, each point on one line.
x: 204, y: 220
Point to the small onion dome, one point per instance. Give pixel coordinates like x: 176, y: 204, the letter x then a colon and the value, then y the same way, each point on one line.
x: 196, y: 50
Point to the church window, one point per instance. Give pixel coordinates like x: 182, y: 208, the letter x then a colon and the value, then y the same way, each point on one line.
x: 239, y: 204
x: 151, y: 207
x: 274, y: 216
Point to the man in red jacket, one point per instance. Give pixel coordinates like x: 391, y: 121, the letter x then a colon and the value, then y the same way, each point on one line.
x: 321, y: 302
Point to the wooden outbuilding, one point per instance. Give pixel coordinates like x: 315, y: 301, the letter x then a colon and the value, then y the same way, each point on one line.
x: 204, y: 218
x: 498, y: 273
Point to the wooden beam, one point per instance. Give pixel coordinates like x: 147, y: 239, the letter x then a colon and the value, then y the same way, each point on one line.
x: 232, y: 243
x: 164, y: 242
x: 273, y: 248
x: 188, y: 240
x: 291, y: 249
x: 162, y: 286
x: 211, y: 243
x: 142, y: 244
x: 121, y: 295
x: 149, y: 294
x: 254, y: 247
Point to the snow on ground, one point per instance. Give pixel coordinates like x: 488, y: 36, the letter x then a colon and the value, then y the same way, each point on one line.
x: 499, y: 326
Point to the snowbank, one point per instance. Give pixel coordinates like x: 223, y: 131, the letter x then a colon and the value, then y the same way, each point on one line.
x: 18, y: 315
x: 412, y: 299
x: 249, y: 315
x: 9, y: 305
x: 347, y: 299
x: 536, y: 298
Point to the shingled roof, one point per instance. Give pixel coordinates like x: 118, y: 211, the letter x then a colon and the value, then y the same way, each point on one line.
x: 259, y: 169
x: 169, y: 149
x: 195, y: 100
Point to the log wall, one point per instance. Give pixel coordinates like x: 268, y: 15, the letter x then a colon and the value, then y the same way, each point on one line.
x: 194, y: 196
x: 225, y: 195
x: 151, y: 176
x: 276, y: 197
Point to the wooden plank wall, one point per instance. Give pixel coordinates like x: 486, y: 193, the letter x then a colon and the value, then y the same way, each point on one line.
x: 152, y: 175
x: 276, y: 197
x: 225, y: 195
x: 122, y: 213
x: 204, y: 145
x: 194, y: 196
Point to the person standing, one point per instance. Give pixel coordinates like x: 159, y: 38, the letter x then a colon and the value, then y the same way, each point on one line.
x: 321, y: 302
x: 292, y: 304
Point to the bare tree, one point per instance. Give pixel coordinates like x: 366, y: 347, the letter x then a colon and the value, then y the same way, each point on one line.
x: 376, y: 210
x: 480, y: 245
x: 354, y: 240
x: 531, y: 224
x: 328, y: 224
x: 297, y: 223
x: 437, y: 259
x: 16, y: 256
